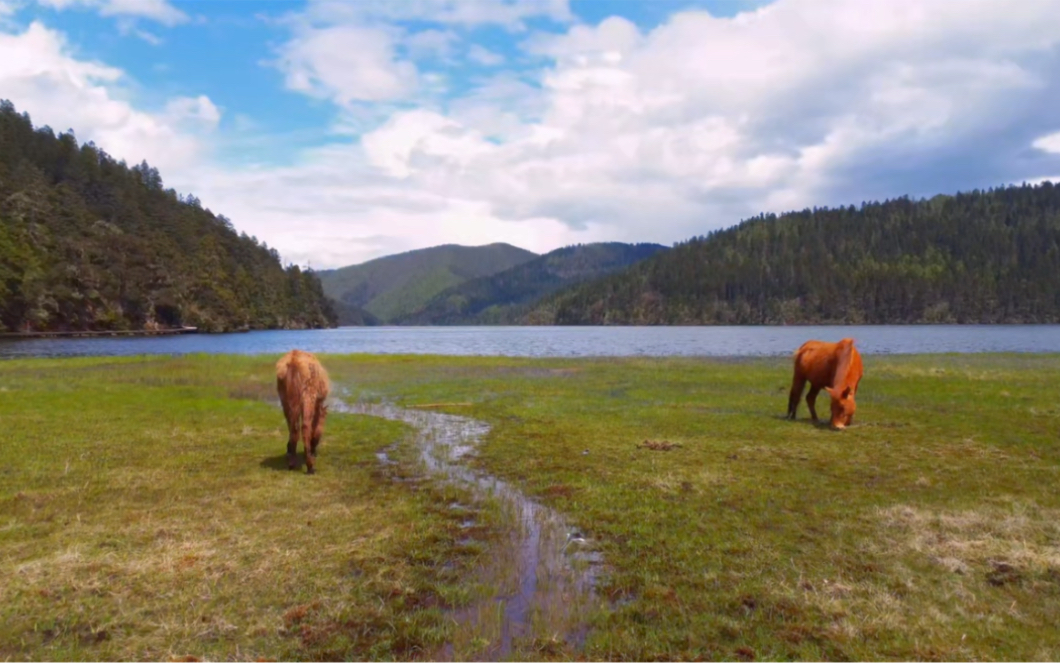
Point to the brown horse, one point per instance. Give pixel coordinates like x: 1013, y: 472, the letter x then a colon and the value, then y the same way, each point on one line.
x: 835, y: 367
x: 302, y: 384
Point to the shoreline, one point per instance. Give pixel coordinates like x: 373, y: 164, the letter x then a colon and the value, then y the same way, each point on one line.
x: 91, y: 333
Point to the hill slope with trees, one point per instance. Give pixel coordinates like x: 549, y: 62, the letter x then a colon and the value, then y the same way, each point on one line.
x: 504, y: 297
x: 89, y: 243
x: 394, y: 286
x: 988, y: 256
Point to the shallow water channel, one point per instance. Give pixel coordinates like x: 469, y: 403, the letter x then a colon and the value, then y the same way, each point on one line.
x: 541, y: 579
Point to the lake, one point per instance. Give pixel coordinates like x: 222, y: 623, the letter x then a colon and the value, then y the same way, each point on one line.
x: 560, y: 341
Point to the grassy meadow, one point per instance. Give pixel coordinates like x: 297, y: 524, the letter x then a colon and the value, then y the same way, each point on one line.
x: 146, y: 510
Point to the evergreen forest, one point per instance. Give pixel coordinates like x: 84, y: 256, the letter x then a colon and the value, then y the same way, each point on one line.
x: 90, y: 243
x: 986, y: 256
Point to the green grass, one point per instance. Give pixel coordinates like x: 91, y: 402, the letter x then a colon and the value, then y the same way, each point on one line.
x: 139, y: 500
x: 146, y: 512
x: 765, y: 538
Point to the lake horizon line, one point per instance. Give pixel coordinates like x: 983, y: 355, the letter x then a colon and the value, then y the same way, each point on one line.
x: 562, y: 341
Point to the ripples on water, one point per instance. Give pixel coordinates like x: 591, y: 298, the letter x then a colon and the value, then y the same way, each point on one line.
x: 561, y: 341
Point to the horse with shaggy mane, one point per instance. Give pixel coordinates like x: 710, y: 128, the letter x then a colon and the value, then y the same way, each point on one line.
x: 835, y: 367
x: 302, y: 384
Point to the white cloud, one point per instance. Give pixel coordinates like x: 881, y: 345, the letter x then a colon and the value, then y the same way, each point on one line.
x: 1054, y: 179
x: 614, y: 35
x: 156, y: 10
x: 336, y: 215
x: 502, y: 107
x: 8, y: 9
x: 1050, y: 143
x: 128, y: 26
x: 484, y: 56
x: 38, y: 74
x: 199, y: 111
x: 354, y: 52
x: 416, y: 141
x: 346, y: 64
x: 431, y: 44
x: 705, y: 120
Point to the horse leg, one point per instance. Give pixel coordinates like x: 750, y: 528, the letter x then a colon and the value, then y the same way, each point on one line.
x: 798, y: 383
x: 292, y: 438
x: 811, y: 401
x: 853, y: 394
x: 308, y: 417
x: 319, y: 414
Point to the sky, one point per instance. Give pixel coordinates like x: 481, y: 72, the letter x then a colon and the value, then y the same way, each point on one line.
x: 341, y: 131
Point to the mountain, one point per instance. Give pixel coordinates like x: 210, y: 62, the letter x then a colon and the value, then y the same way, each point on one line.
x: 394, y: 286
x: 353, y: 316
x: 504, y: 297
x: 981, y: 257
x: 88, y: 243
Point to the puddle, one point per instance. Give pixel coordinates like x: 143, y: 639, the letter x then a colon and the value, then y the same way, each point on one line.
x: 542, y: 576
x: 383, y: 455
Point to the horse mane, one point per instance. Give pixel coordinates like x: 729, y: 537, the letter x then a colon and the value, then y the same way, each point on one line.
x: 842, y: 368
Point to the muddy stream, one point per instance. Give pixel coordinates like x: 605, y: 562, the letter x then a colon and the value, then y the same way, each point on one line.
x: 541, y: 579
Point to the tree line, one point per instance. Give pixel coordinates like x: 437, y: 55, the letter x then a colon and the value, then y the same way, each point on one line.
x: 986, y: 256
x: 90, y: 243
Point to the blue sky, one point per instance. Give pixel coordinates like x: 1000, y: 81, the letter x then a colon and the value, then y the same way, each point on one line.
x: 223, y: 49
x: 339, y: 131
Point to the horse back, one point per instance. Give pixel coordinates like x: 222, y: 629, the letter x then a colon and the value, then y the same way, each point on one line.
x: 300, y: 381
x: 815, y: 362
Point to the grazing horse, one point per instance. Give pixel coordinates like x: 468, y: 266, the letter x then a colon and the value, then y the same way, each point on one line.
x: 302, y: 384
x: 835, y: 367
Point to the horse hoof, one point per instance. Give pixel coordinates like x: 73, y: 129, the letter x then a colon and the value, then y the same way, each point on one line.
x: 310, y: 471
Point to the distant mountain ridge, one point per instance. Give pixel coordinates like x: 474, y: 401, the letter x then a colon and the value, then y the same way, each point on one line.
x: 504, y: 297
x: 981, y: 257
x: 394, y: 286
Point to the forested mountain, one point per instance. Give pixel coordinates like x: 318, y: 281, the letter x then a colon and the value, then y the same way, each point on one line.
x: 394, y: 286
x: 981, y: 257
x: 88, y: 243
x: 349, y: 315
x: 504, y: 297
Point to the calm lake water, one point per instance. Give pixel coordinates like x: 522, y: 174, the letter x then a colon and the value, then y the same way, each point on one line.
x: 561, y: 341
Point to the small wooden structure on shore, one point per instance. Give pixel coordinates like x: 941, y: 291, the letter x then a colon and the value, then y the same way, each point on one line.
x: 110, y: 332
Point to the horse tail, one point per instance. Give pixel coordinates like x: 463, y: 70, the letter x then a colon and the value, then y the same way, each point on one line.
x: 797, y: 358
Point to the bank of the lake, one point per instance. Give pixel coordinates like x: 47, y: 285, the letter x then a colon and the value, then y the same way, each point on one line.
x: 656, y: 341
x: 147, y: 514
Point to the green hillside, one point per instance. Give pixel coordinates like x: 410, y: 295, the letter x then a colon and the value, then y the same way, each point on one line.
x: 392, y: 287
x: 982, y: 257
x: 349, y: 315
x: 88, y: 243
x: 504, y: 297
